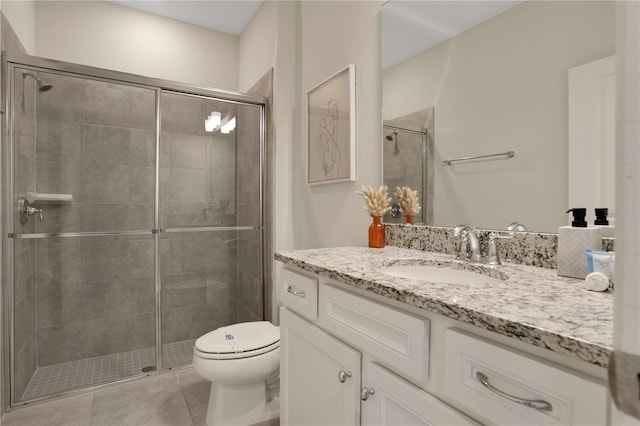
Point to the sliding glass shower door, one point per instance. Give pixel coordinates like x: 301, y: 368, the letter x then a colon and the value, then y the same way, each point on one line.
x: 83, y: 183
x: 133, y: 229
x: 210, y: 215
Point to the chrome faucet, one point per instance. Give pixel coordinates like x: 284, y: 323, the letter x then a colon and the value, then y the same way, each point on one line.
x: 469, y: 248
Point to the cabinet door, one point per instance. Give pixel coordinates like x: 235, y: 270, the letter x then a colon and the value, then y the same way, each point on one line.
x: 397, y: 402
x: 319, y: 376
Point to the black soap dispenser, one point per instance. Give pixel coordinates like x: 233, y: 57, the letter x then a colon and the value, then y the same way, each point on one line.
x: 573, y: 242
x: 602, y: 222
x: 601, y: 217
x: 579, y: 217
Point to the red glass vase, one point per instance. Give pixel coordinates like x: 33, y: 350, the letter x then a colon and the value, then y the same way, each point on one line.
x: 408, y: 220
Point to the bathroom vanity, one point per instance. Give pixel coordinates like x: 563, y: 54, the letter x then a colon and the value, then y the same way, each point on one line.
x: 362, y: 346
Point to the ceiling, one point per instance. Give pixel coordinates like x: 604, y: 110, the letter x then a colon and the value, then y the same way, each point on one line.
x: 410, y: 27
x: 229, y: 17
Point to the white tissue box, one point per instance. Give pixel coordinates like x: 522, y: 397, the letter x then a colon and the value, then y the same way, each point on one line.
x: 572, y: 245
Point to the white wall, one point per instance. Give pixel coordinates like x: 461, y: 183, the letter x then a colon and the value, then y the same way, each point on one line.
x: 269, y: 41
x: 627, y: 273
x: 503, y: 86
x: 335, y: 34
x: 107, y: 35
x: 21, y: 15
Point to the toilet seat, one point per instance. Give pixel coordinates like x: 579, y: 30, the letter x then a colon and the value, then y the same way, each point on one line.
x: 239, y: 341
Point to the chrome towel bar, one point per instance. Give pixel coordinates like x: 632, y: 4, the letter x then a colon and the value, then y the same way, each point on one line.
x: 508, y: 154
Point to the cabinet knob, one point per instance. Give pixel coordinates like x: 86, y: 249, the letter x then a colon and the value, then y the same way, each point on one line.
x: 365, y: 393
x: 343, y: 375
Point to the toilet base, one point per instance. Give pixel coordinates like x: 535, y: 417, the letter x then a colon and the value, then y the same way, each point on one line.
x: 240, y: 405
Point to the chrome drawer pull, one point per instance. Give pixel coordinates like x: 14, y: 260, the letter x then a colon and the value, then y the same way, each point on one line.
x: 365, y: 393
x: 538, y: 404
x: 290, y: 290
x: 343, y: 375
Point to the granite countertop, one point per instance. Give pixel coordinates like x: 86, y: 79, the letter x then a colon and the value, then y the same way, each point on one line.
x: 532, y: 304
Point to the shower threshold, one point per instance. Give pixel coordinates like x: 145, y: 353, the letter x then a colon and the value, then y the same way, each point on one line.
x: 58, y: 378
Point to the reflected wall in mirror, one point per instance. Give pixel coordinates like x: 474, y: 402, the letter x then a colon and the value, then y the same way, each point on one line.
x: 501, y: 85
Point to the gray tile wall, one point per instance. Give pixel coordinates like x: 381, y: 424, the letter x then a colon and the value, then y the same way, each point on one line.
x: 199, y: 271
x: 249, y: 305
x: 95, y: 296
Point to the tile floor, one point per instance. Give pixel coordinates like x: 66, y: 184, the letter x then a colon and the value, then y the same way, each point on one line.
x: 58, y: 378
x: 167, y: 399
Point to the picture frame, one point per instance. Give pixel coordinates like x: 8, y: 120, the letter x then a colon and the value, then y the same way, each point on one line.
x: 331, y: 133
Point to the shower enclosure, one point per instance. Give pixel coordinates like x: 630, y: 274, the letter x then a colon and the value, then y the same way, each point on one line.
x: 406, y: 162
x: 130, y: 229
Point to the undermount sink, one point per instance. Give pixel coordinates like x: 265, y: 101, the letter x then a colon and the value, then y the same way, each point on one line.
x: 438, y: 275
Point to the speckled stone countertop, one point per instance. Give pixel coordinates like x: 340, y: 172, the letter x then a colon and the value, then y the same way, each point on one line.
x: 530, y: 304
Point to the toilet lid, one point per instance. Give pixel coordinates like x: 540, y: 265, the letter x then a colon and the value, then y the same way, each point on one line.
x: 240, y: 340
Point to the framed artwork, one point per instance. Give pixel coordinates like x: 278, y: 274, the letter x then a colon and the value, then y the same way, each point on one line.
x: 331, y: 133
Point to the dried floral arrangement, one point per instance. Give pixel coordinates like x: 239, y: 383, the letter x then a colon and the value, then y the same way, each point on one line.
x: 408, y: 200
x: 378, y: 201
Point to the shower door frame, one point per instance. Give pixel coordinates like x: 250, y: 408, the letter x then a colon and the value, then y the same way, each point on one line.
x: 12, y: 61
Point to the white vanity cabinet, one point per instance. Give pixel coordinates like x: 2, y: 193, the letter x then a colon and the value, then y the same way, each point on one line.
x: 348, y: 358
x: 323, y: 378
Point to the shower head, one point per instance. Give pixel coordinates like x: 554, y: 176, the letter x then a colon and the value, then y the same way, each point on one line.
x: 394, y: 138
x: 43, y: 86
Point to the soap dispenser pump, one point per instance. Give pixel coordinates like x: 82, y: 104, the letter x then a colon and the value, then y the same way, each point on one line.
x: 601, y: 216
x: 573, y: 241
x: 602, y: 223
x: 579, y: 217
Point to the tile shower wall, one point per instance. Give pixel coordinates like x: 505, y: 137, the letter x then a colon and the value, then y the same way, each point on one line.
x: 95, y: 295
x: 199, y: 270
x: 24, y: 261
x: 248, y: 189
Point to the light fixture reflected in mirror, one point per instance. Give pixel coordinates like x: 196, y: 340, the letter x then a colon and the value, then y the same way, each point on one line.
x: 228, y: 126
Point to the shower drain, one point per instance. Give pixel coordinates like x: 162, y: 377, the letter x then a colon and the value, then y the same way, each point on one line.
x: 148, y: 369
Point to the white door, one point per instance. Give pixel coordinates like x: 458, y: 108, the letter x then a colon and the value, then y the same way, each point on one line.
x: 319, y: 376
x: 592, y: 125
x: 397, y: 402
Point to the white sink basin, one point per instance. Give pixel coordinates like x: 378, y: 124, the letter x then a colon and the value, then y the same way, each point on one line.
x: 438, y: 275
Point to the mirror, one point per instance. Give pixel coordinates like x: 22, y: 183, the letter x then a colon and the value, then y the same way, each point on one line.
x: 487, y: 86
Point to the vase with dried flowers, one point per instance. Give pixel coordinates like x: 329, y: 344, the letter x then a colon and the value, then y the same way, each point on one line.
x: 377, y: 204
x: 408, y: 200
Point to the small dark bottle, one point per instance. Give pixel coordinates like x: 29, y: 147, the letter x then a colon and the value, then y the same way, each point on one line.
x: 579, y: 215
x: 601, y: 217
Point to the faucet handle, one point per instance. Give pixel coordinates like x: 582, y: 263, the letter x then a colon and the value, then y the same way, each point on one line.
x: 462, y: 230
x: 493, y: 257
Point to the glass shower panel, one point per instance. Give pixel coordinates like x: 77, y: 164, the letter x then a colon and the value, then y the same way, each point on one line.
x: 210, y: 245
x: 84, y: 274
x: 404, y: 164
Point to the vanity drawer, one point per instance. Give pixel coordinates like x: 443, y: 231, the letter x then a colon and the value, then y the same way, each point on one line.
x: 573, y: 398
x: 300, y: 293
x: 397, y: 340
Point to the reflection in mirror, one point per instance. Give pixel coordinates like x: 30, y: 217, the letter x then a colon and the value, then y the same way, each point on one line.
x: 501, y: 85
x: 408, y: 161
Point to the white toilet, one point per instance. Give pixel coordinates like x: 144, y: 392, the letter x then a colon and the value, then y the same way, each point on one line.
x: 239, y: 359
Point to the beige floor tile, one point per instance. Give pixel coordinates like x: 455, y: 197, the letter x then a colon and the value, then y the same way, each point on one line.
x: 196, y: 392
x: 69, y: 411
x: 156, y: 401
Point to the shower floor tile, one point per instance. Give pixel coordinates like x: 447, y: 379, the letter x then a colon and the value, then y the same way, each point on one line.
x: 54, y: 379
